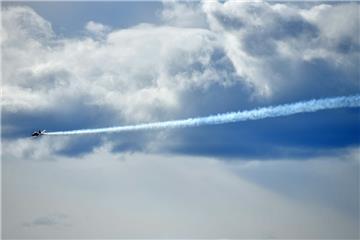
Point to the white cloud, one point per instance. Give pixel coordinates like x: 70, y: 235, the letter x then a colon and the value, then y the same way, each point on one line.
x: 256, y: 35
x: 335, y: 22
x: 96, y: 28
x: 133, y: 71
x: 22, y: 24
x: 139, y: 195
x: 145, y: 69
x: 183, y: 14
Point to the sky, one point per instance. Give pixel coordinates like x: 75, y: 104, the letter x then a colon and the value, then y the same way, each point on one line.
x: 69, y: 66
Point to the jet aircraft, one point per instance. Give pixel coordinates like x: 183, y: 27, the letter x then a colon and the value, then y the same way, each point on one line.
x: 38, y: 133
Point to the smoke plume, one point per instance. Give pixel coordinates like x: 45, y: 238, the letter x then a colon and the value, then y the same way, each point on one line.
x: 255, y: 114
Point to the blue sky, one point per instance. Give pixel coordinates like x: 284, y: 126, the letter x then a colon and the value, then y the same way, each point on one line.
x: 69, y: 18
x: 85, y: 65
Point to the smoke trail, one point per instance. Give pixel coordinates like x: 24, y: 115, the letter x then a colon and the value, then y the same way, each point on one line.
x: 260, y: 113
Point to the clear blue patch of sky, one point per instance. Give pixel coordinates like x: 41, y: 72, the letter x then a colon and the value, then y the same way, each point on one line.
x: 69, y: 18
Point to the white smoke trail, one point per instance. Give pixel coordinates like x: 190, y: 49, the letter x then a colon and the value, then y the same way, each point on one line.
x: 260, y: 113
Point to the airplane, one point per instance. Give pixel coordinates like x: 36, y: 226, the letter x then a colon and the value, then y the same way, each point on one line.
x: 38, y: 133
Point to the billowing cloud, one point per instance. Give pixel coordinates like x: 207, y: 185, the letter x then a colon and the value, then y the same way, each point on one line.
x: 213, y: 182
x: 203, y: 58
x: 121, y: 73
x: 123, y: 67
x: 260, y: 37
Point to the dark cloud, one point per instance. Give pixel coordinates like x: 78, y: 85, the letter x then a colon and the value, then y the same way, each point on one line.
x: 76, y: 146
x: 313, y: 79
x: 347, y: 45
x: 299, y: 136
x: 131, y: 141
x: 261, y: 41
x: 293, y: 27
x: 78, y: 114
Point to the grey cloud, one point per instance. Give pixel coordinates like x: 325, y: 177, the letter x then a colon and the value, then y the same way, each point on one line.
x: 292, y: 32
x: 262, y: 42
x: 304, y: 179
x: 48, y: 221
x: 44, y: 80
x: 180, y: 191
x: 229, y: 22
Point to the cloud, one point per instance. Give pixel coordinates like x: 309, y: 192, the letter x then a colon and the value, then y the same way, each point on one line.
x: 47, y: 221
x: 258, y: 35
x: 180, y: 194
x: 20, y: 23
x: 123, y: 73
x: 219, y: 57
x: 304, y: 180
x: 299, y: 137
x: 334, y: 28
x: 97, y: 29
x: 183, y: 14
